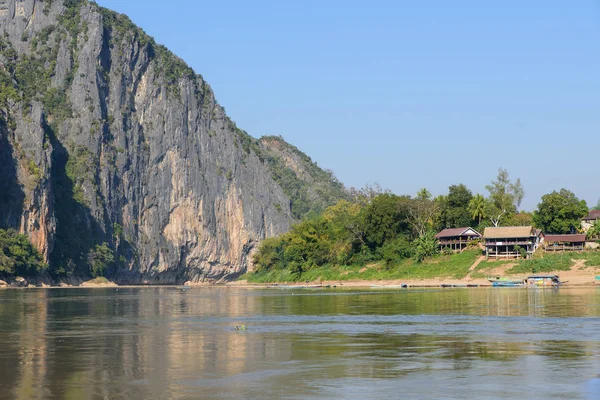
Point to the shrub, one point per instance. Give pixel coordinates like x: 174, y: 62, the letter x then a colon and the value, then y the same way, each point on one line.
x: 425, y: 246
x: 99, y: 258
x: 18, y: 256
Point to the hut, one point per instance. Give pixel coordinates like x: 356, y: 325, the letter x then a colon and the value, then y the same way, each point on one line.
x: 510, y: 241
x: 589, y: 220
x: 456, y: 238
x: 572, y: 242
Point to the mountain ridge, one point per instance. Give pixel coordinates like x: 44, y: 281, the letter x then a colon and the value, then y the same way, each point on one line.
x: 110, y: 141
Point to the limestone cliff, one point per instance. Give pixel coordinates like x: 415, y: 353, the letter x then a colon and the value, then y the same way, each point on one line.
x: 108, y: 139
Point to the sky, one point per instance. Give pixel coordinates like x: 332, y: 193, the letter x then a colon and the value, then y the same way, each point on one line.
x: 408, y: 94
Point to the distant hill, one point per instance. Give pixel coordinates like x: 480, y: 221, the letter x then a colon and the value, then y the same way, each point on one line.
x: 310, y: 188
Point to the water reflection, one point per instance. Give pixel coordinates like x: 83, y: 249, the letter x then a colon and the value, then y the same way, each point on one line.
x: 161, y: 343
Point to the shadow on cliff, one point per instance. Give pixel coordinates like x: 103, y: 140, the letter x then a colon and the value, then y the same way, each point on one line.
x: 77, y: 232
x: 12, y: 196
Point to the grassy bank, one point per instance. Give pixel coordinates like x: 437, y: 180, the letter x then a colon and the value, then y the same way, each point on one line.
x: 453, y: 266
x: 541, y: 263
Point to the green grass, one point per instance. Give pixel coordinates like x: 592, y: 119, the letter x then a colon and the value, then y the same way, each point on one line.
x: 555, y: 262
x: 592, y: 258
x: 453, y: 266
x: 482, y: 271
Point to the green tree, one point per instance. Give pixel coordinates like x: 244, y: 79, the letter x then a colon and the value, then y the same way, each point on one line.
x: 505, y: 197
x: 477, y: 208
x: 455, y: 209
x: 343, y: 219
x: 425, y: 246
x: 99, y: 258
x: 268, y: 255
x: 594, y: 231
x: 395, y: 250
x: 522, y: 218
x: 421, y: 212
x: 18, y: 256
x: 384, y: 218
x: 560, y: 212
x: 597, y: 206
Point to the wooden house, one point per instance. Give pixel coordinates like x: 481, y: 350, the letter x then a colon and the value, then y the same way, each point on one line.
x: 540, y: 235
x: 506, y: 241
x: 565, y: 242
x: 457, y: 238
x: 589, y: 220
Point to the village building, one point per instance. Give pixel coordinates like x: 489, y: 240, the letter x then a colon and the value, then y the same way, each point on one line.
x: 456, y: 238
x: 541, y: 237
x: 589, y: 220
x: 572, y: 242
x: 510, y: 241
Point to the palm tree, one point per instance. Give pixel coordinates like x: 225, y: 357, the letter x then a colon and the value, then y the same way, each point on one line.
x: 477, y: 207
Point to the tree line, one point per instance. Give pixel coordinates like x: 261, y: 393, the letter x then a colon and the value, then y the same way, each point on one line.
x: 379, y: 226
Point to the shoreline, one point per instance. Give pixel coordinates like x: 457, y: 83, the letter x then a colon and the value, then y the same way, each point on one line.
x: 573, y: 278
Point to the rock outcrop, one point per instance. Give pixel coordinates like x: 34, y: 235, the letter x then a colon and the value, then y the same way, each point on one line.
x: 107, y: 140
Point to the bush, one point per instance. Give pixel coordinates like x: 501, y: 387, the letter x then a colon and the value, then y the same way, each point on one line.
x: 425, y: 246
x: 447, y: 251
x: 18, y: 256
x: 521, y: 251
x: 99, y: 258
x: 396, y: 250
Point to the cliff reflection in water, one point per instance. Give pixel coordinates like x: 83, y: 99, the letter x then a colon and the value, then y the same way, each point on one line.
x: 157, y: 343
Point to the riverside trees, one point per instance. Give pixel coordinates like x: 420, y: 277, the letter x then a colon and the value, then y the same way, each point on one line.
x: 560, y: 212
x: 379, y: 226
x: 505, y: 197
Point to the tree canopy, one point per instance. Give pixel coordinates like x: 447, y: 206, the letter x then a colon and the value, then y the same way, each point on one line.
x: 454, y: 210
x: 18, y: 256
x: 505, y: 197
x: 560, y: 212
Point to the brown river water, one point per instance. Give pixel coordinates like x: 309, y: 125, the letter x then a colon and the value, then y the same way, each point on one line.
x: 171, y: 343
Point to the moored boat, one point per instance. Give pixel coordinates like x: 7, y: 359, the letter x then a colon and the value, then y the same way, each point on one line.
x: 507, y: 282
x: 544, y: 280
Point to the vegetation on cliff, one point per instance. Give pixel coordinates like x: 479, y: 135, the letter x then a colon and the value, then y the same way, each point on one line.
x: 18, y: 256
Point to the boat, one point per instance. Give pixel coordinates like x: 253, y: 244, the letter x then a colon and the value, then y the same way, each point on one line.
x: 402, y: 286
x: 507, y: 282
x: 544, y: 280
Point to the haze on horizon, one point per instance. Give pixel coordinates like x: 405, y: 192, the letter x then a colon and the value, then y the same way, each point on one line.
x: 410, y: 95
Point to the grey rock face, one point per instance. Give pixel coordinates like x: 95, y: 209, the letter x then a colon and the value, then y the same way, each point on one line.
x: 112, y: 139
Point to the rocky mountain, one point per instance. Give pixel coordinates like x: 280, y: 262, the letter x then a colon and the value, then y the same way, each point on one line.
x: 116, y: 159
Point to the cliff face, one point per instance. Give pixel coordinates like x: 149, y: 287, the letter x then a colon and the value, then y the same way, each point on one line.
x: 107, y: 139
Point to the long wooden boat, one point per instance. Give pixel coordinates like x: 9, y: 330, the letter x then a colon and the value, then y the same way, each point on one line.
x: 508, y: 283
x: 402, y: 286
x: 544, y: 281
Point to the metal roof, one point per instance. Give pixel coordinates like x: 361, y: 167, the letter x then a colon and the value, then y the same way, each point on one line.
x: 451, y: 232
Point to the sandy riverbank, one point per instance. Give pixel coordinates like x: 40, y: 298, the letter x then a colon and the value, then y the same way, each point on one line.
x: 575, y: 277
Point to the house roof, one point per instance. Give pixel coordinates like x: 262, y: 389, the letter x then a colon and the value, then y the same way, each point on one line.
x: 506, y: 232
x: 451, y: 232
x: 576, y: 238
x: 538, y: 232
x: 593, y: 215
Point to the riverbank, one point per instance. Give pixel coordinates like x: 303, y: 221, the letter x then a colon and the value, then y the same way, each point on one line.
x: 467, y: 268
x: 571, y: 278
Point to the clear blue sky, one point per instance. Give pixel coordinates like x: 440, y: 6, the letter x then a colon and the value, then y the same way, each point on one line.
x: 409, y: 94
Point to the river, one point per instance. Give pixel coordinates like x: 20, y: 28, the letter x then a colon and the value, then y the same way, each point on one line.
x: 171, y: 343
